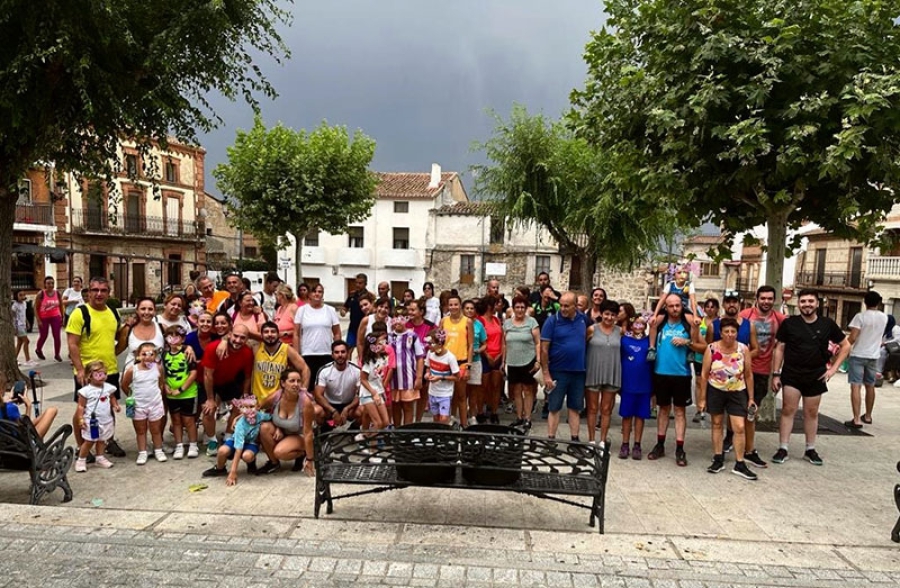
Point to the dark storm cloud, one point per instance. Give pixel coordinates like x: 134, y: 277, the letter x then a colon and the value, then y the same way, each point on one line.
x: 418, y: 75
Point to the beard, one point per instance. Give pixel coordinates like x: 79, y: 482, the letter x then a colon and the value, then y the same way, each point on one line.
x: 807, y: 311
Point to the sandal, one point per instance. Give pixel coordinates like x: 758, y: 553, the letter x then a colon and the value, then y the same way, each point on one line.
x: 866, y: 419
x: 851, y: 425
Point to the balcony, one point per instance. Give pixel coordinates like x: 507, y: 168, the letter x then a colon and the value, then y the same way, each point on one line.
x: 313, y: 256
x: 884, y: 268
x: 34, y: 214
x: 98, y: 222
x: 355, y: 256
x: 403, y: 258
x: 832, y: 280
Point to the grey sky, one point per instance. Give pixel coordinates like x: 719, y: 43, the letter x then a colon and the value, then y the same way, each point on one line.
x: 417, y: 75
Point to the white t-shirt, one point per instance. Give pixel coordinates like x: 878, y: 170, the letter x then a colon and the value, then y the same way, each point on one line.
x: 433, y: 310
x: 871, y: 324
x: 267, y: 302
x: 341, y: 386
x: 441, y: 365
x: 316, y: 324
x: 73, y: 298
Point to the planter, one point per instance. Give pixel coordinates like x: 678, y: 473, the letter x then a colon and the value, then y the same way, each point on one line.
x: 489, y: 451
x: 421, y: 459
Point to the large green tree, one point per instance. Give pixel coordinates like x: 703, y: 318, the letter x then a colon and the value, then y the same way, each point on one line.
x: 78, y: 76
x: 743, y: 112
x: 280, y: 181
x: 540, y: 173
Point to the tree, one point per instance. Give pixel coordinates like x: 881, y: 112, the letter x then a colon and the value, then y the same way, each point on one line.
x: 540, y: 173
x: 749, y: 112
x: 282, y: 181
x: 77, y: 77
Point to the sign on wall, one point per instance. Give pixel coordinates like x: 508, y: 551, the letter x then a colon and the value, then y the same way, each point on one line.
x: 495, y: 269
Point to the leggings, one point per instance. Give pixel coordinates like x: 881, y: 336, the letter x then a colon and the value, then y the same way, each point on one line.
x: 54, y: 324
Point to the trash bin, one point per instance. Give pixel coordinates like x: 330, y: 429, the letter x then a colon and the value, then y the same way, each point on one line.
x: 493, y: 451
x: 415, y: 450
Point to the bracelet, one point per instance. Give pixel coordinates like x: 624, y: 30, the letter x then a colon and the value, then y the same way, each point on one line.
x: 776, y: 374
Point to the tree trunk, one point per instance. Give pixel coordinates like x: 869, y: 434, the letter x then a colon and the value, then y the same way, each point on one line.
x: 776, y: 246
x: 298, y: 252
x: 588, y: 267
x: 9, y: 369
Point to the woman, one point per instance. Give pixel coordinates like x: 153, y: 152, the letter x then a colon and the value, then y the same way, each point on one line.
x: 460, y: 341
x: 316, y: 327
x: 172, y: 314
x: 142, y: 328
x: 382, y: 313
x: 302, y: 294
x: 432, y: 304
x: 408, y: 296
x: 205, y: 334
x: 521, y: 292
x: 289, y: 435
x: 251, y: 316
x: 604, y: 369
x: 598, y: 297
x: 285, y: 310
x: 415, y: 313
x: 626, y: 316
x: 492, y: 358
x: 724, y: 382
x: 475, y: 380
x: 523, y: 347
x: 190, y: 294
x: 49, y: 317
x: 72, y: 296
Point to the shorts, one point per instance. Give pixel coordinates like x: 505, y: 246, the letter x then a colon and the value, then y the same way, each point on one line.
x: 184, y: 406
x: 404, y: 395
x: 230, y: 391
x: 367, y: 399
x: 634, y: 405
x: 719, y: 402
x: 328, y: 425
x: 111, y: 379
x: 253, y: 447
x: 439, y: 405
x: 760, y: 387
x: 107, y: 429
x: 351, y: 337
x: 21, y: 333
x: 486, y: 366
x: 475, y: 371
x: 520, y: 374
x: 861, y: 370
x: 671, y: 390
x: 151, y: 412
x: 809, y: 385
x: 569, y: 386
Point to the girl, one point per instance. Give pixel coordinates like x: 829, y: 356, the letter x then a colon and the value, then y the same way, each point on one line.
x: 598, y: 297
x: 636, y: 385
x: 94, y: 415
x: 19, y: 325
x: 382, y: 313
x: 415, y: 312
x: 49, y: 318
x: 375, y: 373
x: 143, y: 382
x: 459, y: 340
x: 289, y: 435
x: 604, y: 371
x: 182, y: 391
x: 432, y: 306
x: 443, y: 373
x: 73, y: 296
x: 475, y: 379
x: 492, y: 358
x: 410, y: 359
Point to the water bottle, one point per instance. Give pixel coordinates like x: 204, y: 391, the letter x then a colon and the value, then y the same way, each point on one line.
x: 129, y: 407
x: 94, y: 427
x: 751, y: 412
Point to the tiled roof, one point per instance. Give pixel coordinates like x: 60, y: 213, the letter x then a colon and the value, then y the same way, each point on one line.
x: 410, y: 185
x: 704, y: 240
x: 466, y: 209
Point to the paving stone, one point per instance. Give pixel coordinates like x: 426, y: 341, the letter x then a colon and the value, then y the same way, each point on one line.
x: 426, y: 571
x: 322, y: 564
x: 374, y: 568
x: 269, y: 561
x: 532, y: 578
x: 478, y: 574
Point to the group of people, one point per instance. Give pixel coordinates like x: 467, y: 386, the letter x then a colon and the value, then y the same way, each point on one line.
x: 52, y: 310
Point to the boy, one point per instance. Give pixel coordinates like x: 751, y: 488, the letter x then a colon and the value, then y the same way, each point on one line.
x: 443, y: 372
x: 243, y: 444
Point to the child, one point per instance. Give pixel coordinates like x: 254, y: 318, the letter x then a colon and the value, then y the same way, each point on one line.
x: 376, y: 373
x: 143, y: 382
x: 94, y: 414
x: 443, y: 372
x: 634, y: 407
x: 407, y: 381
x: 243, y: 444
x: 20, y: 325
x: 181, y: 390
x: 682, y: 287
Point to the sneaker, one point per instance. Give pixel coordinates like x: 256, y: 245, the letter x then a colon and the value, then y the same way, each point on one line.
x: 212, y: 448
x: 780, y: 456
x: 680, y: 458
x: 698, y: 416
x: 624, y: 451
x: 298, y: 464
x: 40, y: 354
x: 812, y: 457
x: 57, y: 358
x: 473, y: 421
x: 716, y: 466
x: 193, y: 451
x: 741, y: 469
x: 636, y: 453
x: 251, y: 468
x: 81, y: 464
x: 268, y: 468
x: 103, y: 462
x: 495, y: 419
x: 179, y: 452
x: 114, y: 449
x: 653, y: 412
x: 728, y: 444
x: 754, y: 459
x: 90, y: 458
x: 141, y: 458
x: 160, y: 455
x: 526, y: 424
x: 214, y: 472
x: 658, y: 451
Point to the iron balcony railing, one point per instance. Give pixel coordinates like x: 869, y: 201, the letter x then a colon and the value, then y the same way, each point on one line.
x: 34, y: 214
x: 93, y: 221
x: 851, y: 280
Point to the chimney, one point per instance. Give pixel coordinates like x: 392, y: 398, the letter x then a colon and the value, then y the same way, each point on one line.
x: 435, y: 176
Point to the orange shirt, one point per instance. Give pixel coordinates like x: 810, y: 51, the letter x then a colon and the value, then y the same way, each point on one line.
x: 218, y: 297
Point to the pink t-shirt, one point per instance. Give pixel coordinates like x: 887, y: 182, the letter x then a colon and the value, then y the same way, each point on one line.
x: 766, y: 328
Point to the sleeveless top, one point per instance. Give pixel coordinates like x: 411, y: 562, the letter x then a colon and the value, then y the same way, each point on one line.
x: 145, y: 387
x: 457, y: 338
x: 49, y: 307
x: 134, y: 342
x: 293, y: 423
x: 726, y: 371
x: 604, y: 361
x: 252, y: 323
x: 267, y: 368
x: 285, y: 322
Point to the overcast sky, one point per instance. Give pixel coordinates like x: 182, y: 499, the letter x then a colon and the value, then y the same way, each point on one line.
x: 418, y: 75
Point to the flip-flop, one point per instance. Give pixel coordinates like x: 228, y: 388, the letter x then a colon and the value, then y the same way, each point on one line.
x: 867, y: 420
x: 852, y: 425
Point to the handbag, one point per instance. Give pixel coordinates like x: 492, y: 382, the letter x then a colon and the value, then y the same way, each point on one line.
x: 892, y: 346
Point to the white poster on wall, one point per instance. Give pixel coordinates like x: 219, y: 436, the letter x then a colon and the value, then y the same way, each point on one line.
x: 495, y: 269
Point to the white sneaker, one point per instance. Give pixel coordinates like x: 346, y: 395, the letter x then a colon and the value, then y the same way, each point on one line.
x: 81, y: 464
x: 473, y: 421
x: 103, y: 462
x: 193, y: 451
x: 897, y: 384
x: 179, y: 452
x: 141, y: 458
x: 160, y: 455
x: 360, y: 437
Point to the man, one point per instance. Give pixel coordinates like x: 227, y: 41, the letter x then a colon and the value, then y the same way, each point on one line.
x: 546, y: 305
x: 266, y: 297
x: 563, y: 352
x: 207, y: 289
x: 766, y: 321
x: 337, y: 387
x: 866, y: 334
x: 384, y: 291
x: 677, y: 337
x: 493, y: 290
x: 225, y: 379
x: 234, y: 286
x: 91, y: 334
x: 270, y: 360
x: 543, y: 279
x: 800, y: 362
x: 352, y: 306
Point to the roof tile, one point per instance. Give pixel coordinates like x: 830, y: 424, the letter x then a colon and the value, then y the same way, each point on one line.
x: 410, y: 185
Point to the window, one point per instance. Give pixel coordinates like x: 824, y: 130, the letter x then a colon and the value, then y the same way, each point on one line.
x: 401, y: 206
x: 466, y: 269
x: 249, y: 251
x: 401, y: 238
x: 173, y: 270
x: 23, y: 271
x: 541, y: 264
x: 97, y: 265
x: 311, y: 239
x: 134, y: 213
x: 171, y: 172
x: 498, y: 230
x: 355, y: 238
x: 131, y: 165
x: 709, y: 268
x: 24, y: 192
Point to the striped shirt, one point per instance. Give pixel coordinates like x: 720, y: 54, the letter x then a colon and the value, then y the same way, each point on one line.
x: 407, y: 349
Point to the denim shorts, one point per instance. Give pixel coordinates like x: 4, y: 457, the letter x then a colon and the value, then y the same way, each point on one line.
x: 439, y: 405
x: 569, y: 386
x: 861, y: 370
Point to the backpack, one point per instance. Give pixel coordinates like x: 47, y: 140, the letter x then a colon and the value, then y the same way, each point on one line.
x: 86, y: 316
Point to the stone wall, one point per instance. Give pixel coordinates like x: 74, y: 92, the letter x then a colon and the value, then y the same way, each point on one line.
x: 635, y: 286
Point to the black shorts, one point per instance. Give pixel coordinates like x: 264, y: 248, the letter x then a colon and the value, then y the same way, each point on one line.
x: 671, y: 390
x: 112, y: 379
x: 521, y: 374
x: 326, y: 426
x: 315, y: 363
x: 808, y: 384
x: 760, y: 387
x: 719, y: 401
x: 230, y: 391
x: 184, y: 406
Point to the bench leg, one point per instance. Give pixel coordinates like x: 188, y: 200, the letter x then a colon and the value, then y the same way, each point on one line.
x: 320, y: 493
x: 895, y: 533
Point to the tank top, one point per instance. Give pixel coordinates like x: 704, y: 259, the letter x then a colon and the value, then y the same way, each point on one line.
x: 293, y: 423
x: 178, y: 369
x: 267, y: 370
x: 457, y: 338
x: 49, y: 305
x: 494, y: 332
x: 134, y: 342
x: 285, y: 322
x: 252, y: 323
x: 726, y: 371
x: 145, y: 387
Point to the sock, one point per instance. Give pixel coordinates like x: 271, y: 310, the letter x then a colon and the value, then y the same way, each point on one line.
x: 783, y: 446
x: 810, y: 446
x: 575, y: 438
x: 660, y: 439
x: 192, y: 445
x: 637, y: 444
x: 207, y: 438
x: 679, y: 445
x: 719, y: 457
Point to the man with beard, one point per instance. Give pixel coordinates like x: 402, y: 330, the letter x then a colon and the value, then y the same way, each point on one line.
x: 270, y: 360
x: 337, y: 388
x: 352, y: 305
x: 228, y: 378
x: 234, y: 285
x: 543, y: 279
x: 800, y: 363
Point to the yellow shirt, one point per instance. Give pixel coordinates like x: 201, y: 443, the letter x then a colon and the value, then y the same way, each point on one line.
x: 218, y: 297
x: 101, y: 344
x: 457, y: 338
x: 267, y: 370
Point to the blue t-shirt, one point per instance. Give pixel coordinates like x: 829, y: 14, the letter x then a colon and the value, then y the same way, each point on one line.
x: 11, y: 411
x: 637, y: 375
x: 743, y: 335
x: 568, y: 342
x: 672, y: 360
x: 480, y: 338
x: 192, y: 340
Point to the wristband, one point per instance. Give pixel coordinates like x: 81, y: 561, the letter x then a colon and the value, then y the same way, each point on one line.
x: 776, y: 374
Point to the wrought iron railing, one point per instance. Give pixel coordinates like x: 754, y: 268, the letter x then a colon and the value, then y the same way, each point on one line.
x: 852, y: 280
x: 34, y: 214
x: 95, y: 221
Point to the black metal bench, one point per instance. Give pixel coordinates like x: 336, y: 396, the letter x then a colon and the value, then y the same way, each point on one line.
x: 895, y: 533
x: 48, y: 462
x: 545, y: 468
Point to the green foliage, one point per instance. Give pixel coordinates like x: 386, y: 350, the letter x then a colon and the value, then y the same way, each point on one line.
x: 251, y: 265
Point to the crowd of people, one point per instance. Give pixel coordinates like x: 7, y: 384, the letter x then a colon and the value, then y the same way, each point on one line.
x: 277, y: 369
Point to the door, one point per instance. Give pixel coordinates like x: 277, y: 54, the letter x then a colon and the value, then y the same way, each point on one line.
x: 139, y: 280
x: 95, y: 220
x: 855, y: 267
x: 820, y: 267
x: 120, y: 281
x: 398, y: 288
x: 133, y: 213
x: 173, y: 216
